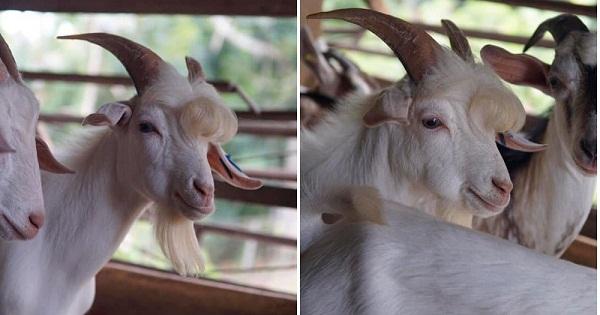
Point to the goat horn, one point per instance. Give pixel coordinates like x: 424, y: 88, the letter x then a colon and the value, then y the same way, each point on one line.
x: 141, y: 63
x: 559, y: 26
x: 458, y: 41
x: 8, y: 60
x: 417, y: 51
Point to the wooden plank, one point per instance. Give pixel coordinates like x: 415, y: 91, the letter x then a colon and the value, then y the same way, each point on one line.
x: 277, y: 8
x: 244, y: 234
x: 131, y: 290
x: 552, y: 5
x: 266, y: 195
x: 582, y: 251
x: 589, y: 227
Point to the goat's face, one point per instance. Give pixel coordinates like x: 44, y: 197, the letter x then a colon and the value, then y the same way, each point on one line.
x: 21, y: 200
x: 168, y: 143
x: 572, y: 82
x: 447, y: 142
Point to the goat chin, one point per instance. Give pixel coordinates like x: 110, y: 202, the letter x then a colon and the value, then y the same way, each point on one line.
x: 177, y: 239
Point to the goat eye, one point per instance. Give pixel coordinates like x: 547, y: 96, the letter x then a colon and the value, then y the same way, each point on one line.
x: 147, y: 127
x: 554, y: 82
x: 432, y: 123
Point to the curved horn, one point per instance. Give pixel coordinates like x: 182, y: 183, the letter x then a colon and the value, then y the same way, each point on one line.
x: 141, y: 63
x: 414, y: 47
x: 8, y: 60
x: 559, y: 26
x: 458, y: 41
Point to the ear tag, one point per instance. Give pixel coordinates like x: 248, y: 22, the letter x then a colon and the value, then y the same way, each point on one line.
x: 232, y: 162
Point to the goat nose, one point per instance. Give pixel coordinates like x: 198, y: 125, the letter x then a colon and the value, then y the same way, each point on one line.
x: 206, y: 190
x: 588, y: 147
x: 36, y: 219
x: 504, y: 185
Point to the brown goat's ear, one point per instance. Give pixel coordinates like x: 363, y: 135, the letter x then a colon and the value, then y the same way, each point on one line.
x: 111, y: 114
x: 390, y: 106
x: 229, y: 172
x: 195, y: 71
x: 46, y: 159
x: 519, y: 69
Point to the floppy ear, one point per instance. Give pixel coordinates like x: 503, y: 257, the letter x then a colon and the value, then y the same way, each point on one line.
x: 519, y: 69
x: 111, y: 114
x: 229, y: 172
x: 391, y: 105
x: 46, y: 159
x: 4, y: 146
x: 195, y: 71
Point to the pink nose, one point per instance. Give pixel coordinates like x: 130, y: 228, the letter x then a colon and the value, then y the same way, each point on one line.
x: 505, y: 186
x: 36, y: 219
x: 205, y: 190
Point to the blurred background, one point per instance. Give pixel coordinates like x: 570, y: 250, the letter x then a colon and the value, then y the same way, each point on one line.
x: 251, y: 238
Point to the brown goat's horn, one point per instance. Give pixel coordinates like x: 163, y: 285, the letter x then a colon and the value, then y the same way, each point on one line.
x: 414, y: 47
x: 559, y: 26
x: 458, y: 40
x: 141, y: 63
x: 8, y: 60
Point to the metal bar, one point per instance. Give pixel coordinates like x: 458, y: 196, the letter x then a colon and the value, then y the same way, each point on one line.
x: 560, y: 6
x: 267, y: 195
x: 244, y: 234
x: 247, y: 126
x: 277, y: 8
x: 438, y: 29
x: 272, y: 174
x: 220, y: 85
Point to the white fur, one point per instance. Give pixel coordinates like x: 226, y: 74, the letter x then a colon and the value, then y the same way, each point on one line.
x: 416, y: 264
x: 20, y: 187
x: 119, y: 173
x: 407, y: 163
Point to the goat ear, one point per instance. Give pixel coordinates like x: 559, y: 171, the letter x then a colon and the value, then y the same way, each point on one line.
x: 519, y: 143
x: 519, y: 69
x: 46, y: 159
x: 195, y: 71
x: 391, y: 105
x: 229, y: 172
x: 111, y: 114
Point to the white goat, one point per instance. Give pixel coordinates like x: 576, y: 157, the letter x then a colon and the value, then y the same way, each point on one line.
x: 553, y: 189
x: 406, y: 262
x: 427, y: 141
x: 160, y: 149
x: 21, y: 200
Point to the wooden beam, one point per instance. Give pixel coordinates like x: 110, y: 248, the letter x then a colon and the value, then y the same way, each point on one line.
x: 589, y: 226
x: 248, y: 126
x: 132, y: 290
x: 552, y: 5
x: 277, y: 8
x: 272, y: 174
x: 582, y: 251
x: 267, y: 195
x: 244, y: 234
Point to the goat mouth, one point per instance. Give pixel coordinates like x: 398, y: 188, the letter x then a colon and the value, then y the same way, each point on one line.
x: 13, y: 229
x: 202, y: 210
x: 489, y: 205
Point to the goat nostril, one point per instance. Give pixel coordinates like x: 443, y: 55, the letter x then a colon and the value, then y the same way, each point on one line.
x: 504, y: 185
x: 36, y: 220
x: 588, y: 148
x: 204, y: 189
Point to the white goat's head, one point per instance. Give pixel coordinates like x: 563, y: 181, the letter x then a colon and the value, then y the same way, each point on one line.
x: 168, y: 138
x: 571, y: 80
x: 21, y: 200
x: 444, y: 120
